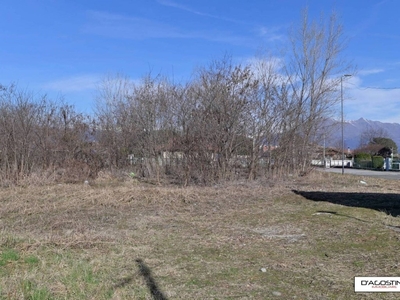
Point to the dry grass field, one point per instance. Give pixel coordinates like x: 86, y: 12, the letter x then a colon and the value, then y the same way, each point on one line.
x: 303, y: 238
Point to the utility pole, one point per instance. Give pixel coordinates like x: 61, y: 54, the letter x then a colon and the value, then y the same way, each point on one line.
x: 341, y: 97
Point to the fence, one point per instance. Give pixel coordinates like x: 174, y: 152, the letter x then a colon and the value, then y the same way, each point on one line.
x: 389, y: 164
x: 331, y: 163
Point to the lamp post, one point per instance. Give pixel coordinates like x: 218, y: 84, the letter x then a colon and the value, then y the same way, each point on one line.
x: 341, y: 97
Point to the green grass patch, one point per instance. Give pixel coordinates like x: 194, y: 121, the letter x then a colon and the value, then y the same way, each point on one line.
x: 31, y: 291
x: 8, y: 255
x: 31, y: 260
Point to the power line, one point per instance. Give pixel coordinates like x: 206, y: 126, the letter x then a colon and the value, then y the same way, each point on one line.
x: 378, y: 88
x: 375, y: 87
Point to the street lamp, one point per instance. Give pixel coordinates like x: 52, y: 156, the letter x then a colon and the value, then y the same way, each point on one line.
x: 341, y: 97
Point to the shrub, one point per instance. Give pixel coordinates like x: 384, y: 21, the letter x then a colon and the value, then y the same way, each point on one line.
x: 362, y: 156
x: 377, y: 162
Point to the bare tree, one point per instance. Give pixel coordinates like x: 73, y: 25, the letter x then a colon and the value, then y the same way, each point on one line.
x: 115, y: 130
x: 221, y: 95
x: 136, y: 119
x: 38, y: 135
x: 264, y: 114
x: 18, y: 117
x: 368, y: 135
x: 150, y: 102
x: 315, y: 61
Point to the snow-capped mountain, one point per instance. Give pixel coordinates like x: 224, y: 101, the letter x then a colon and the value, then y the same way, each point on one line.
x: 354, y: 129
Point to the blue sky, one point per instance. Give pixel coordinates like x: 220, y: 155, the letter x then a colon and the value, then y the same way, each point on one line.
x: 65, y: 47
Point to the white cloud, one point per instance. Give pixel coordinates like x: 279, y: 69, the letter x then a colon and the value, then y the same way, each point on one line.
x: 125, y: 27
x: 121, y: 26
x: 371, y: 103
x: 196, y: 12
x: 370, y: 72
x: 73, y: 84
x: 183, y: 7
x: 262, y: 66
x: 268, y: 34
x: 271, y: 34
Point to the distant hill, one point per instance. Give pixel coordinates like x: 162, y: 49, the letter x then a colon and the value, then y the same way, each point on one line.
x: 354, y: 129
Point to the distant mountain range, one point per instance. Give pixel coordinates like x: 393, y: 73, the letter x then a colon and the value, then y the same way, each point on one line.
x: 354, y: 129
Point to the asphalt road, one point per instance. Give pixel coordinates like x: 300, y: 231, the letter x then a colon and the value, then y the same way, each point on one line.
x: 370, y: 173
